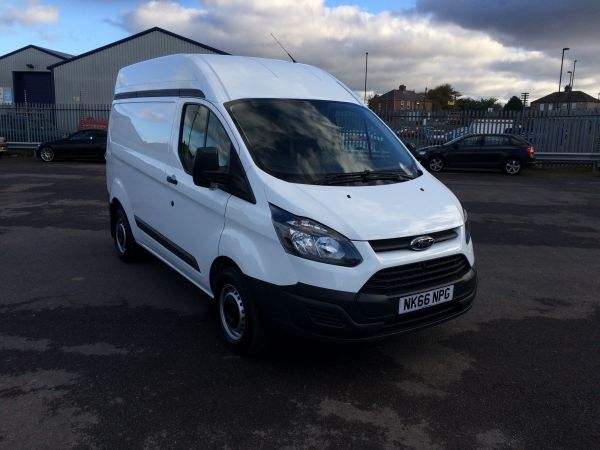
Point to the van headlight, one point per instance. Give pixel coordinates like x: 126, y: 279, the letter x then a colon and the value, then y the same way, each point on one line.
x: 309, y: 239
x: 467, y: 228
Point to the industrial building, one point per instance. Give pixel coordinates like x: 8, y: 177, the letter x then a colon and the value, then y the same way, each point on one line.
x: 90, y: 78
x: 25, y: 77
x: 37, y: 75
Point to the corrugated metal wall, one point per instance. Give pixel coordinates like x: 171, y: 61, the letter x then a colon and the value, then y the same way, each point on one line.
x: 18, y: 63
x: 92, y: 78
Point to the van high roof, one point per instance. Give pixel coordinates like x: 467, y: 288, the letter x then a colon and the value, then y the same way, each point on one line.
x: 223, y: 78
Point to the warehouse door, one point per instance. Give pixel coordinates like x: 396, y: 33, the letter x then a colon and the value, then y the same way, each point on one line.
x: 33, y: 87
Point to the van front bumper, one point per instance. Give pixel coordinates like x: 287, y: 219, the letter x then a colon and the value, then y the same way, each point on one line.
x: 339, y: 316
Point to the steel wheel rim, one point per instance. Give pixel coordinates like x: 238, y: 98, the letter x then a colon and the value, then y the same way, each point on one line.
x: 513, y: 166
x: 121, y: 236
x: 436, y: 164
x: 232, y: 312
x: 47, y: 154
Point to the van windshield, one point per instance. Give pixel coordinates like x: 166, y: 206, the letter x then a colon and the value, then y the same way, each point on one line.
x: 321, y: 142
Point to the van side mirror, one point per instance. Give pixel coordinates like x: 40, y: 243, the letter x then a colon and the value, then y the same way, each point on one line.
x: 206, y: 166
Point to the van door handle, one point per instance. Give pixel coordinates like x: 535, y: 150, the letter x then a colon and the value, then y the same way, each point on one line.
x: 172, y: 179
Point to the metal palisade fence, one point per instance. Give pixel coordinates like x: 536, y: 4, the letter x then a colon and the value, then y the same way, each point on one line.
x: 549, y: 132
x: 575, y: 131
x: 32, y: 123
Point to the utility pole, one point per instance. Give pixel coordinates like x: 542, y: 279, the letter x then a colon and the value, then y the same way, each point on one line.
x: 524, y: 98
x: 366, y: 66
x: 571, y: 83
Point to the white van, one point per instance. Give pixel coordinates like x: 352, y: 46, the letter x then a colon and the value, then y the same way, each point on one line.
x: 271, y: 187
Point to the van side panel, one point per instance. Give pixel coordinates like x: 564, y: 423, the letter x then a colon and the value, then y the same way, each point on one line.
x: 140, y: 133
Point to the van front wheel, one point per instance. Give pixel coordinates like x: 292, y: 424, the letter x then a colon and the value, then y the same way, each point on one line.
x: 239, y: 318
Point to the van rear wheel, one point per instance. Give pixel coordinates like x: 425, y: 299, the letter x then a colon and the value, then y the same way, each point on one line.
x: 127, y: 249
x: 239, y: 318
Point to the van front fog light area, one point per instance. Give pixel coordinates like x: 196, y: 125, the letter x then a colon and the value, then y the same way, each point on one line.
x: 309, y: 239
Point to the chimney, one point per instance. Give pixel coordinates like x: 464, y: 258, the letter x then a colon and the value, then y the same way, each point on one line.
x: 402, y: 88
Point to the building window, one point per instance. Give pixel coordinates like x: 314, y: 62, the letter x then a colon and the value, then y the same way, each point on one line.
x: 541, y: 106
x: 550, y: 106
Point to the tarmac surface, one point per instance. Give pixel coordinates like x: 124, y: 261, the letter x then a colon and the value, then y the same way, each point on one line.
x: 95, y: 353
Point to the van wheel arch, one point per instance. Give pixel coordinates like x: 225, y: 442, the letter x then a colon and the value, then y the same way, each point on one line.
x: 217, y: 267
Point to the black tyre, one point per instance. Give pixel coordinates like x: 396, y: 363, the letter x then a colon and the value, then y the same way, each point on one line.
x: 435, y: 164
x: 127, y: 249
x: 512, y: 166
x: 47, y: 154
x: 238, y: 315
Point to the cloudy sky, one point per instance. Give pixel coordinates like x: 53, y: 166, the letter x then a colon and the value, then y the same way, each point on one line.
x: 484, y: 48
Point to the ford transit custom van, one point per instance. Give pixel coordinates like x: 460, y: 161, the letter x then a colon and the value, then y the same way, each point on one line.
x: 271, y: 187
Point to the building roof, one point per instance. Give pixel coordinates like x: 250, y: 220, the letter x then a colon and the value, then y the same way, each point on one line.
x: 575, y: 97
x: 135, y: 36
x: 60, y: 55
x: 225, y: 78
x: 407, y: 95
x: 398, y: 94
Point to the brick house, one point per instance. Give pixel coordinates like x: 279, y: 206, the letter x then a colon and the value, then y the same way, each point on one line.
x: 398, y: 100
x: 579, y: 101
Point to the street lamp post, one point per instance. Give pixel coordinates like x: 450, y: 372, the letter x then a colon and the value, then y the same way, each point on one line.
x: 560, y: 77
x: 570, y: 90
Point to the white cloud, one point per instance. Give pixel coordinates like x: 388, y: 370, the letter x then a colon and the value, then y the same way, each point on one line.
x: 32, y: 13
x: 408, y: 49
x: 167, y: 13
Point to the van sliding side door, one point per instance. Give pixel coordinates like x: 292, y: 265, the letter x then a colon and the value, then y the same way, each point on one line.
x: 143, y: 130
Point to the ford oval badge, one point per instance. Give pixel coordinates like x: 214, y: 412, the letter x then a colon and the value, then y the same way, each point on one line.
x: 421, y: 243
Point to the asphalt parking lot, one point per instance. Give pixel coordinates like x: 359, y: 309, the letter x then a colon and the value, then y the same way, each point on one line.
x: 95, y: 353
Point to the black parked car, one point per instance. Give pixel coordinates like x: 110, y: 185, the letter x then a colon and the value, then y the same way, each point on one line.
x: 502, y: 151
x: 82, y: 144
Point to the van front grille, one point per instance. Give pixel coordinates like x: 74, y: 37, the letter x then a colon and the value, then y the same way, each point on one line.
x: 387, y: 245
x: 416, y: 277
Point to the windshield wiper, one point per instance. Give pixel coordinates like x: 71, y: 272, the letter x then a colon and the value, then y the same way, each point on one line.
x: 365, y: 176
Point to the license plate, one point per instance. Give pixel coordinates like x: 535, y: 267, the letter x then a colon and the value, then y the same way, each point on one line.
x: 425, y: 299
